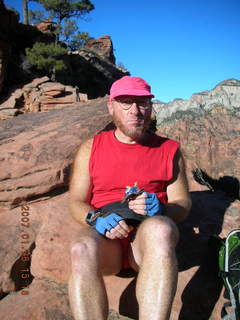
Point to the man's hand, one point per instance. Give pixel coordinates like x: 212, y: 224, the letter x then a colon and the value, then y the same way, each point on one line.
x: 147, y: 204
x: 112, y: 227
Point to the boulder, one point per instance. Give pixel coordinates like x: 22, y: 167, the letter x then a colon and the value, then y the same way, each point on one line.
x: 39, y: 95
x: 8, y: 113
x: 53, y: 89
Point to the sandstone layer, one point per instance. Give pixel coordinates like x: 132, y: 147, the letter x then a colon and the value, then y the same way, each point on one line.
x: 40, y: 95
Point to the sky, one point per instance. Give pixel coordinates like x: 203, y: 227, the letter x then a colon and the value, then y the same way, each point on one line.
x: 179, y: 47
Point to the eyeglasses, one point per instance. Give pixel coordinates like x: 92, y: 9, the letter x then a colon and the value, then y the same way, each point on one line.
x: 127, y: 104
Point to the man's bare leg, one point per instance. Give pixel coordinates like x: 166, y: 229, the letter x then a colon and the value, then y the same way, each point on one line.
x: 154, y: 252
x: 92, y: 257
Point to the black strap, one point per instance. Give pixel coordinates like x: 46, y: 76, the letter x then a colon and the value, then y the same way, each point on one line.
x: 122, y: 209
x: 223, y: 274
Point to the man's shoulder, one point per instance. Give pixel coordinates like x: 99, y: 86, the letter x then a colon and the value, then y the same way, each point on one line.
x: 88, y: 145
x: 85, y: 148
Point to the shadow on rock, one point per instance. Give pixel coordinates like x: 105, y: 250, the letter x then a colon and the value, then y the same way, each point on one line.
x: 199, y: 247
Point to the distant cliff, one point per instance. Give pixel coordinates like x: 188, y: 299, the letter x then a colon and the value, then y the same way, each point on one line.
x: 207, y: 125
x: 226, y: 94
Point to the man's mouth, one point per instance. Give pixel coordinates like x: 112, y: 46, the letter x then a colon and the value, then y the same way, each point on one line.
x: 135, y: 120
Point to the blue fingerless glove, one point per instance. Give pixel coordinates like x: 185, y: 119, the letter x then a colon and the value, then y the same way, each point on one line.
x: 104, y: 224
x: 154, y: 207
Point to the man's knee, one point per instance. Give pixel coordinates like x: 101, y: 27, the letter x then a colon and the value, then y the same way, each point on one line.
x: 160, y: 230
x: 84, y: 254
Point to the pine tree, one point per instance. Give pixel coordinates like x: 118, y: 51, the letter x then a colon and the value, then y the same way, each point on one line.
x: 66, y: 9
x: 48, y: 56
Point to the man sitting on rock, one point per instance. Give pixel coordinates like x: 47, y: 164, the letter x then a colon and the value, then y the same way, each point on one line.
x: 153, y: 168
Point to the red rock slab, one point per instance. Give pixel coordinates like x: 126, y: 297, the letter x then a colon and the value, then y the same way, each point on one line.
x: 18, y: 230
x: 52, y: 86
x: 38, y: 149
x: 51, y: 257
x: 35, y: 83
x: 45, y: 300
x: 61, y: 100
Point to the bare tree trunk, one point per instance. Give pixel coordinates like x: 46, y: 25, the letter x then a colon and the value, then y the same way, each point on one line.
x: 53, y: 75
x: 25, y: 11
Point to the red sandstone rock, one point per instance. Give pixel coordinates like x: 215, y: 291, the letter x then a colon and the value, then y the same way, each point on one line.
x: 50, y: 87
x: 48, y: 96
x: 37, y: 149
x: 36, y: 82
x: 46, y: 300
x: 83, y: 97
x: 11, y: 101
x: 40, y: 95
x: 103, y: 47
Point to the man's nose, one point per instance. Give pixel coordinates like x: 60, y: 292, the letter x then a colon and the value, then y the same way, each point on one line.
x: 134, y: 108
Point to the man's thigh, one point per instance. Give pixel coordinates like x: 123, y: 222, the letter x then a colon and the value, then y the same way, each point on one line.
x: 109, y: 252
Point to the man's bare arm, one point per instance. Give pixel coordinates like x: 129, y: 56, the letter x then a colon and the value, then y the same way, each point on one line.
x: 80, y: 192
x: 179, y: 200
x: 80, y: 183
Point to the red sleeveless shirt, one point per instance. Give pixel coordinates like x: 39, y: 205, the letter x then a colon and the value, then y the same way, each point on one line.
x: 114, y: 165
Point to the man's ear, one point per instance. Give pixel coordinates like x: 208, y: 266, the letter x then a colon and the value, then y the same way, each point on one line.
x: 110, y: 107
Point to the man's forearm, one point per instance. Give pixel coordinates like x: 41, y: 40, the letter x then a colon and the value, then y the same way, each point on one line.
x: 79, y: 210
x: 179, y: 210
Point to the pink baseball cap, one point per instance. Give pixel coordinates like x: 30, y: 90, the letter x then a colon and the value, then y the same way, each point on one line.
x: 130, y: 86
